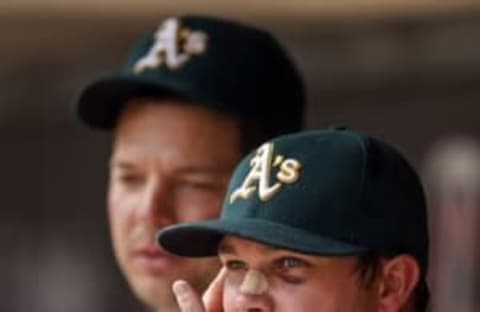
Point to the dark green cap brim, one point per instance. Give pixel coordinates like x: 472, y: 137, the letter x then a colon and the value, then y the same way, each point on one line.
x: 202, y: 239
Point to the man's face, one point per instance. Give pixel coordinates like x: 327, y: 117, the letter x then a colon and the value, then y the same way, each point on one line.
x: 296, y: 282
x: 170, y: 164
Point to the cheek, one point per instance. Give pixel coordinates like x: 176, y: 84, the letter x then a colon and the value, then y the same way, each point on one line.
x: 121, y: 202
x: 286, y: 301
x: 234, y: 278
x: 284, y: 297
x: 311, y: 295
x: 339, y: 295
x: 304, y: 297
x: 120, y: 213
x: 198, y: 205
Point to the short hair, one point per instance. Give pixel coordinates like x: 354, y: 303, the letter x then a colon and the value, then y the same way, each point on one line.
x: 368, y: 267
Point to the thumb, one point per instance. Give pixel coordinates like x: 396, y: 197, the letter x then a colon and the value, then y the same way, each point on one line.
x: 188, y: 300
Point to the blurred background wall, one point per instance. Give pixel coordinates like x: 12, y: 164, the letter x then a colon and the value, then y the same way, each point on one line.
x: 406, y: 71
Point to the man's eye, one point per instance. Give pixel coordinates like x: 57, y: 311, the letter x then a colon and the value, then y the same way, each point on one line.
x: 291, y: 263
x: 235, y: 265
x: 292, y: 270
x: 130, y: 179
x: 199, y: 185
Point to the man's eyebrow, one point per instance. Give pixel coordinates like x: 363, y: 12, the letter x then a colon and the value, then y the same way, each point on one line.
x: 224, y: 248
x: 121, y: 164
x: 215, y: 171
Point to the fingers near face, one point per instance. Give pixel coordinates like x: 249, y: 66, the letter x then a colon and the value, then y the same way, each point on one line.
x: 188, y: 300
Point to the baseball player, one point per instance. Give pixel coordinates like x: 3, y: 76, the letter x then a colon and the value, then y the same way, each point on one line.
x: 326, y: 220
x: 195, y: 95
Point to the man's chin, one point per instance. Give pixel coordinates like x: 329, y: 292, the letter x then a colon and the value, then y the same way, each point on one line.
x: 155, y: 292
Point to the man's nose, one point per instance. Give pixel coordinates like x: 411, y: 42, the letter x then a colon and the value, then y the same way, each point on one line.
x: 253, y: 303
x: 253, y: 294
x: 155, y: 204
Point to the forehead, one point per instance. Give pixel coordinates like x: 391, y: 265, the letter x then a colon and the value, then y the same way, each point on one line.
x: 239, y: 246
x: 156, y: 116
x: 235, y: 245
x: 151, y: 128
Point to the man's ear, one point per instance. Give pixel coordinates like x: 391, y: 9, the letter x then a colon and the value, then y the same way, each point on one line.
x: 399, y: 277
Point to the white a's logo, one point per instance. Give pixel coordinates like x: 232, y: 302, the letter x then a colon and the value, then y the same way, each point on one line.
x: 173, y: 47
x: 259, y: 175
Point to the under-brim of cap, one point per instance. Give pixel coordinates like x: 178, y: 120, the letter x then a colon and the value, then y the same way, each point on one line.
x: 202, y: 239
x: 100, y: 102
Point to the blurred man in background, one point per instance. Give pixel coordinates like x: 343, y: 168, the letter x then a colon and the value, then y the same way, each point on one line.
x: 195, y: 96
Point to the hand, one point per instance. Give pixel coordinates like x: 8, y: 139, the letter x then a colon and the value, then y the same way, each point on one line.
x: 189, y: 301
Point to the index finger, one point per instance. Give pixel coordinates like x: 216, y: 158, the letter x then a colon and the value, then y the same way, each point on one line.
x: 213, y: 296
x: 188, y: 300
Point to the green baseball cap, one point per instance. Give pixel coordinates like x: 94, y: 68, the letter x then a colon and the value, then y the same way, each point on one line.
x: 226, y: 66
x: 330, y: 192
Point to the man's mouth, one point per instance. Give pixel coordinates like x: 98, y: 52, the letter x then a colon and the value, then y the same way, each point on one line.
x: 152, y: 258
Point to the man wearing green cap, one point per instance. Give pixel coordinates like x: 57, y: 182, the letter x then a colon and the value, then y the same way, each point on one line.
x: 326, y: 220
x: 195, y: 95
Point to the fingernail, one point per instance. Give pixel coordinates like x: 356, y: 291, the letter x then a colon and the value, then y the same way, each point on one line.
x: 179, y: 287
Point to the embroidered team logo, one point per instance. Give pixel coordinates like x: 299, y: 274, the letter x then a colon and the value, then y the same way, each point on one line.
x: 173, y: 47
x: 258, y: 178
